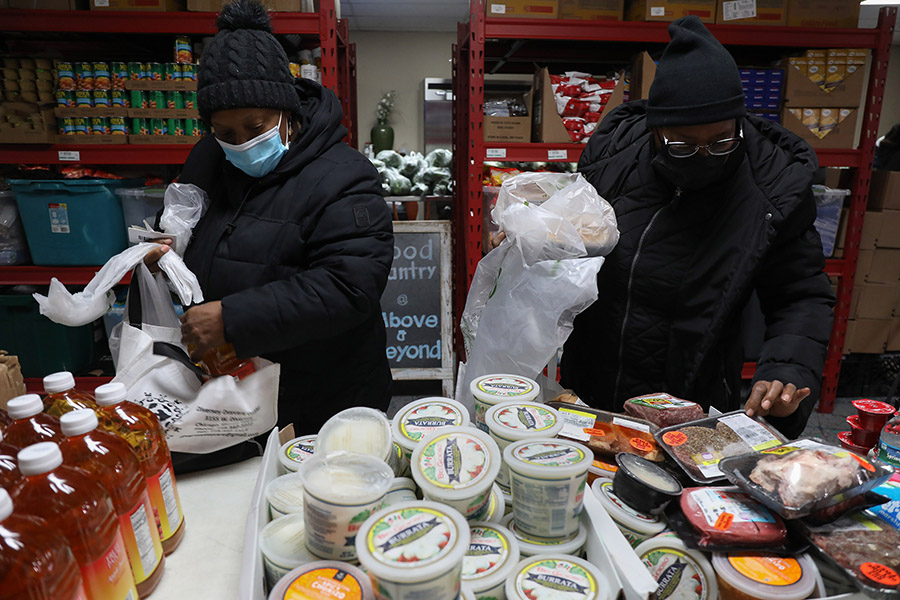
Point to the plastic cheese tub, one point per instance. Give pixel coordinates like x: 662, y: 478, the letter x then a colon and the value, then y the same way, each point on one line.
x: 283, y: 547
x: 514, y: 421
x: 493, y: 389
x: 324, y: 580
x: 403, y: 489
x: 293, y: 453
x: 682, y: 574
x: 359, y: 429
x: 414, y: 551
x: 548, y: 478
x: 457, y: 466
x: 285, y: 495
x: 490, y: 560
x: 557, y: 576
x: 637, y: 527
x: 496, y: 505
x: 764, y: 576
x: 418, y: 419
x: 527, y: 547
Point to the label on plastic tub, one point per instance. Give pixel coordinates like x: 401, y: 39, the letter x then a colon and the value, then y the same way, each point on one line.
x: 505, y: 386
x: 522, y: 417
x: 677, y: 575
x: 770, y: 570
x: 59, y: 218
x: 454, y: 461
x: 425, y: 418
x: 301, y: 449
x: 556, y: 578
x: 324, y: 584
x: 547, y: 454
x: 488, y: 551
x: 412, y: 537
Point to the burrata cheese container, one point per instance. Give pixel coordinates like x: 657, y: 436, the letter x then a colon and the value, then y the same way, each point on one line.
x: 494, y: 389
x: 415, y: 550
x: 490, y: 560
x: 324, y: 580
x: 457, y: 467
x: 292, y: 454
x: 496, y: 506
x: 359, y: 429
x: 514, y: 421
x: 527, y: 547
x: 282, y: 544
x: 679, y: 571
x: 552, y: 576
x: 285, y: 495
x: 340, y: 491
x: 421, y: 418
x: 634, y: 525
x: 548, y: 478
x: 403, y: 489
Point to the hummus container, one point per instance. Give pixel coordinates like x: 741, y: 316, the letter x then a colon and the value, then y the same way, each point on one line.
x: 403, y: 489
x: 548, y: 478
x: 457, y: 467
x: 285, y: 496
x: 324, y: 580
x: 764, y: 576
x: 293, y: 453
x: 873, y: 414
x: 514, y: 421
x: 415, y: 550
x: 419, y: 419
x: 340, y: 491
x: 496, y: 505
x: 644, y: 486
x: 490, y: 560
x: 553, y: 576
x: 680, y: 573
x: 572, y: 547
x: 634, y: 525
x: 494, y: 389
x: 360, y: 429
x: 282, y: 544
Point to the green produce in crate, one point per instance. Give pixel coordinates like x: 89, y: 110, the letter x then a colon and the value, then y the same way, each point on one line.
x: 434, y: 175
x: 397, y: 183
x: 390, y: 158
x: 419, y: 189
x: 412, y: 164
x: 439, y: 158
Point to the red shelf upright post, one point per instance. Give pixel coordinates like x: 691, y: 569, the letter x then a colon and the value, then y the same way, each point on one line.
x: 328, y: 40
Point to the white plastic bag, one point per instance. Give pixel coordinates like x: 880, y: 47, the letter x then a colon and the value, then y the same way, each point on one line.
x: 94, y: 301
x: 184, y: 204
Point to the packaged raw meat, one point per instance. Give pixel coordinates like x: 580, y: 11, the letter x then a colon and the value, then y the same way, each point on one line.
x: 698, y: 446
x: 725, y: 516
x: 805, y: 477
x: 663, y: 409
x: 607, y: 433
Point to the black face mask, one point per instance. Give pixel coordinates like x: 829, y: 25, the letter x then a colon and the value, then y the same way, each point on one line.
x: 696, y: 172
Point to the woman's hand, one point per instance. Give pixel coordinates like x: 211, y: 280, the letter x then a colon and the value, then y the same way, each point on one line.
x: 202, y: 328
x: 774, y: 398
x: 497, y: 238
x: 152, y: 258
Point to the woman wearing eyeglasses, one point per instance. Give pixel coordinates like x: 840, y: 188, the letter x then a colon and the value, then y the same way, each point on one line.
x: 712, y: 205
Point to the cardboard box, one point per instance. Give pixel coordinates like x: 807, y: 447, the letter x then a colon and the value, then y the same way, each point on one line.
x: 823, y: 13
x: 889, y: 236
x: 274, y: 5
x: 138, y: 5
x: 883, y: 266
x: 863, y: 267
x: 884, y: 190
x: 842, y: 136
x: 766, y: 12
x: 592, y: 10
x: 876, y: 301
x: 893, y: 343
x: 670, y: 10
x: 870, y: 231
x: 522, y: 9
x: 508, y: 129
x: 866, y: 336
x: 801, y: 92
x: 547, y: 126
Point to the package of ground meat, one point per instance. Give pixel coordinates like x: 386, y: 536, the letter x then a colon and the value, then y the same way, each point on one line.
x: 805, y: 477
x: 607, y: 433
x: 726, y: 517
x: 698, y: 446
x: 663, y: 409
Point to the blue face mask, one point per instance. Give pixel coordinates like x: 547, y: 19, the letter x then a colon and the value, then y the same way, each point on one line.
x: 259, y: 156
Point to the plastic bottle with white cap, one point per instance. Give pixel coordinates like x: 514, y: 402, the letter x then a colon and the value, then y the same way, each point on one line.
x: 139, y: 427
x: 35, y: 561
x: 116, y: 467
x: 29, y: 424
x: 9, y: 472
x: 62, y: 397
x: 80, y: 509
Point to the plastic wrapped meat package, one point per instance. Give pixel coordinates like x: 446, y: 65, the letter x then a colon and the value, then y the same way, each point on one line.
x: 729, y: 517
x: 607, y: 434
x: 664, y: 410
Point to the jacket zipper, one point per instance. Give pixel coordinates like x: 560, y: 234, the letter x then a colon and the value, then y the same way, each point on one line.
x: 634, y: 260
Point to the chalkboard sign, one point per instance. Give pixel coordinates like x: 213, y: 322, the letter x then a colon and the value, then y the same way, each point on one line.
x: 416, y: 303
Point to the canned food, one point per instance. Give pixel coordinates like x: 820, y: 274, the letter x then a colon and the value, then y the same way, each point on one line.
x: 157, y: 126
x: 102, y: 77
x: 154, y: 71
x: 66, y: 126
x: 140, y: 127
x: 135, y: 71
x: 99, y: 126
x: 84, y: 76
x: 183, y: 53
x: 190, y: 99
x: 138, y: 99
x: 65, y: 98
x: 156, y: 99
x: 174, y: 127
x: 83, y: 98
x: 119, y: 98
x: 190, y: 127
x: 117, y: 126
x: 119, y: 72
x: 80, y: 126
x: 174, y: 100
x: 189, y: 72
x: 66, y: 75
x: 173, y: 72
x: 101, y: 98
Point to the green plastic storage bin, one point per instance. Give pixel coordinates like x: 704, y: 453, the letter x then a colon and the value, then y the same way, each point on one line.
x: 43, y: 347
x: 72, y: 222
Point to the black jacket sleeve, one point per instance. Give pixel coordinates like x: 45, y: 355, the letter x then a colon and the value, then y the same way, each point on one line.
x: 348, y: 254
x: 798, y: 303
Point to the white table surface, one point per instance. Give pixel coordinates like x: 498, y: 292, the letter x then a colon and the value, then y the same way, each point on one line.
x: 207, y: 564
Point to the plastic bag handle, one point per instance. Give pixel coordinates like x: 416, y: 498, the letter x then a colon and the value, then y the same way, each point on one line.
x: 177, y: 354
x: 135, y: 309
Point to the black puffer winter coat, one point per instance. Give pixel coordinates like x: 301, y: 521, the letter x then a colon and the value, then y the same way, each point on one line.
x: 673, y: 290
x: 299, y: 260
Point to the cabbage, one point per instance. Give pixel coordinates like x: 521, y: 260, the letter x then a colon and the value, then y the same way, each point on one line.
x: 398, y: 185
x: 439, y: 158
x: 433, y: 175
x: 412, y: 164
x: 390, y: 158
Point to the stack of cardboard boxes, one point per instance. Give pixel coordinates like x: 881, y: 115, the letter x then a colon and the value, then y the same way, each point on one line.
x: 874, y: 325
x: 26, y: 88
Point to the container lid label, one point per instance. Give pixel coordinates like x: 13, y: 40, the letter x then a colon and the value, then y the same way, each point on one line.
x: 767, y: 569
x: 549, y: 454
x: 556, y: 578
x: 526, y: 417
x: 425, y: 418
x: 324, y: 584
x: 454, y: 461
x: 488, y: 552
x: 412, y: 537
x: 505, y: 386
x: 660, y: 401
x: 607, y: 488
x: 301, y: 449
x: 677, y: 574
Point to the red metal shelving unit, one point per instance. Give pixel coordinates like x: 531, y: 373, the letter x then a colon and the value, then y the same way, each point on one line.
x: 470, y: 151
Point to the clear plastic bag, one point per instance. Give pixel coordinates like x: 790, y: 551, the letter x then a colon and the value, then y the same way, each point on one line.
x: 184, y: 204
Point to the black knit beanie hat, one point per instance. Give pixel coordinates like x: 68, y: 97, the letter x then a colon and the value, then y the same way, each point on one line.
x: 697, y: 80
x: 244, y: 66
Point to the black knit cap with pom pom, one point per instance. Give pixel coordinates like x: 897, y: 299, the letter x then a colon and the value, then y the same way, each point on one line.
x: 244, y: 66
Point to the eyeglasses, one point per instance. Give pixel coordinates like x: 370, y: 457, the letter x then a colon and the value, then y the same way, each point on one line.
x: 719, y: 148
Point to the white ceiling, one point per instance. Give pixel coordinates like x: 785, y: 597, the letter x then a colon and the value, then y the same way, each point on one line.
x: 420, y: 15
